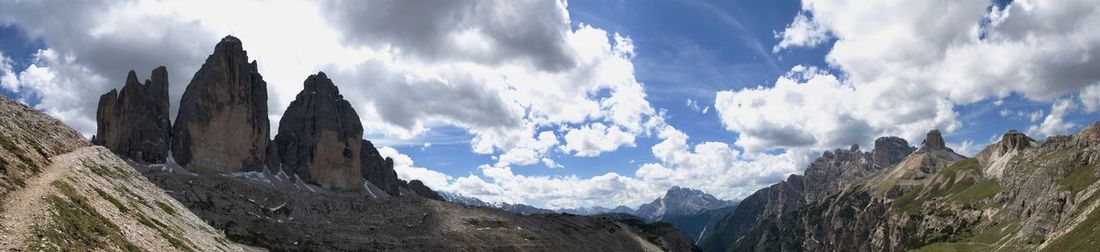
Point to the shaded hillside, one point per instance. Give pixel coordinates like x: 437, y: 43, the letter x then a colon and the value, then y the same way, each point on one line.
x: 85, y: 198
x: 828, y: 174
x: 1016, y: 195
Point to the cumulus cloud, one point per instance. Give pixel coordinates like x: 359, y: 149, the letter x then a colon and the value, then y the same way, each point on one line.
x: 406, y: 170
x: 1054, y: 123
x: 906, y: 65
x: 802, y: 32
x: 1090, y: 98
x: 591, y: 140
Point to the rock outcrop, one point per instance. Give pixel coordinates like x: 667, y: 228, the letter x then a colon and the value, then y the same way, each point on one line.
x: 320, y: 137
x: 379, y: 171
x: 423, y: 191
x: 222, y: 124
x: 133, y: 122
x: 827, y: 175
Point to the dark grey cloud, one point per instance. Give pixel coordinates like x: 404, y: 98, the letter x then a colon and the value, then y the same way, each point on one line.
x: 529, y: 30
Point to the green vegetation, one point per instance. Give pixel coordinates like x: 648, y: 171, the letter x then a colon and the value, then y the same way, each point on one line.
x: 908, y: 202
x: 76, y: 226
x: 167, y: 209
x: 1079, y: 178
x: 19, y: 154
x: 112, y: 199
x: 982, y: 190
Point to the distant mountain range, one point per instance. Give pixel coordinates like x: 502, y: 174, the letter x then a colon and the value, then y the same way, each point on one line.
x: 687, y: 209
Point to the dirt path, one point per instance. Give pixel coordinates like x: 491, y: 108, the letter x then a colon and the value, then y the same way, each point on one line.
x: 22, y: 208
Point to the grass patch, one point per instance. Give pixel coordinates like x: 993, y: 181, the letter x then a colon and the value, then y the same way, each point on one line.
x: 978, y: 191
x: 1079, y: 178
x: 167, y: 209
x: 76, y: 226
x: 908, y: 202
x: 113, y: 200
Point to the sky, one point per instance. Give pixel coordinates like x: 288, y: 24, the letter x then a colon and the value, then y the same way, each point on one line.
x: 561, y: 104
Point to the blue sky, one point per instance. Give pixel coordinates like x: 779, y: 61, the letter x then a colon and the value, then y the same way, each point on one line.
x: 537, y: 101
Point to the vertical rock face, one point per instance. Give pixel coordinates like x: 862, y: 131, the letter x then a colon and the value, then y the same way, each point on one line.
x: 320, y: 137
x: 222, y: 123
x: 379, y: 171
x: 890, y: 150
x: 133, y: 123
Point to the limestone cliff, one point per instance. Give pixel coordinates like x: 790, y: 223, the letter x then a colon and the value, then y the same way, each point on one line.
x: 134, y: 122
x: 222, y: 124
x: 320, y: 137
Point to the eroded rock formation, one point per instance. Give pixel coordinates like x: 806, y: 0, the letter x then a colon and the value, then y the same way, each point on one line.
x: 133, y: 123
x: 320, y: 137
x: 222, y: 124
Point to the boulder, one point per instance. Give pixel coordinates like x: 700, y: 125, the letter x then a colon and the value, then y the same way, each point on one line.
x: 222, y: 124
x: 133, y: 123
x: 320, y: 137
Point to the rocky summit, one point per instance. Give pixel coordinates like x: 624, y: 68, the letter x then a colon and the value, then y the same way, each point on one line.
x: 320, y: 137
x: 134, y: 122
x: 222, y: 123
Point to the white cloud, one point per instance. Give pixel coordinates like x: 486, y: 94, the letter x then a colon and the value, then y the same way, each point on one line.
x: 591, y: 140
x: 406, y: 170
x: 802, y: 32
x: 1054, y: 123
x: 1090, y: 97
x: 906, y: 65
x: 811, y: 108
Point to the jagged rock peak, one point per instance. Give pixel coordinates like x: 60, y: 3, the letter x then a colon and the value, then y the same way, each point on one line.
x: 133, y: 122
x: 890, y: 150
x: 222, y: 123
x: 934, y: 140
x: 320, y: 137
x: 378, y: 170
x: 1013, y: 140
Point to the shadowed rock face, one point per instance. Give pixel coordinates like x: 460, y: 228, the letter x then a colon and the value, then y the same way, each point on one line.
x: 222, y: 124
x: 379, y: 171
x: 133, y: 123
x: 320, y: 137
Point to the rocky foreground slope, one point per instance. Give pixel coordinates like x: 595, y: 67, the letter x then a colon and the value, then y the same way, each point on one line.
x: 68, y: 195
x: 1018, y: 194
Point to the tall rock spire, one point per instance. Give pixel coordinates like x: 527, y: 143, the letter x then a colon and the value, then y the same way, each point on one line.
x: 133, y: 122
x: 320, y: 137
x: 222, y: 124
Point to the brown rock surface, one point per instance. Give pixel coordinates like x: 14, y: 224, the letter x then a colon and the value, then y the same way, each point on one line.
x: 222, y: 124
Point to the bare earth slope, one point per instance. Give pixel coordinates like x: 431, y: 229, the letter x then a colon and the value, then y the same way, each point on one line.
x: 85, y: 198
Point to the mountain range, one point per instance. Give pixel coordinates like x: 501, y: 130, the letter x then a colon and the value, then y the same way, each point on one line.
x: 214, y: 179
